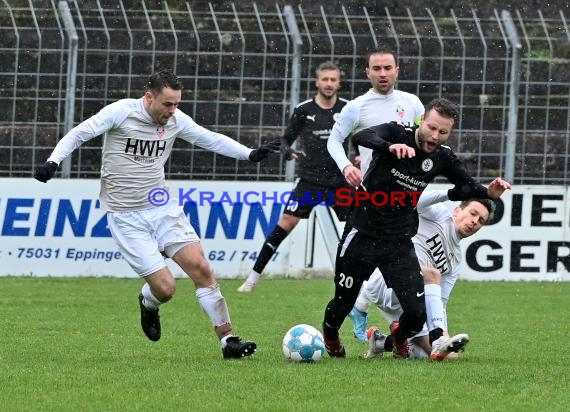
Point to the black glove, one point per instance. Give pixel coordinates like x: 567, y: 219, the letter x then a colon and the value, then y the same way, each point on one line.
x: 288, y: 151
x: 257, y: 155
x: 45, y: 172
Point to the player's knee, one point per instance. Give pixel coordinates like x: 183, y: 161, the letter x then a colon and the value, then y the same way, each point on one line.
x: 205, y: 269
x: 165, y: 290
x: 170, y: 290
x: 288, y: 222
x: 431, y: 275
x: 202, y: 274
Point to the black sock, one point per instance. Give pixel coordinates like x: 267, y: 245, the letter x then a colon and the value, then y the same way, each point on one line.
x: 388, y: 344
x: 435, y: 334
x: 330, y: 332
x: 269, y: 247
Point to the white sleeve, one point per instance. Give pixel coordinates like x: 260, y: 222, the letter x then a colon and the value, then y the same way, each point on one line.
x: 431, y: 197
x: 94, y: 126
x: 209, y: 140
x: 430, y: 205
x: 342, y: 128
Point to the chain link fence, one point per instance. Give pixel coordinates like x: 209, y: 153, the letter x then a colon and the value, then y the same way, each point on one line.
x: 238, y: 66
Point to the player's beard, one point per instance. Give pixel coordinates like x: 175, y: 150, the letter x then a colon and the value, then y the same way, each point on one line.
x: 421, y: 140
x: 422, y: 143
x: 327, y: 96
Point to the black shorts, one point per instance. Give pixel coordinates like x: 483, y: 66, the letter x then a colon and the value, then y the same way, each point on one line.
x: 359, y: 255
x: 306, y: 195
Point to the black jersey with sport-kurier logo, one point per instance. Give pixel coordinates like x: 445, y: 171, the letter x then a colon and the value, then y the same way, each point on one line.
x: 313, y: 124
x: 394, y: 185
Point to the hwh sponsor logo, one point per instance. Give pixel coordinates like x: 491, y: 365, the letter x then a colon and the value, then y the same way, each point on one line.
x: 138, y: 147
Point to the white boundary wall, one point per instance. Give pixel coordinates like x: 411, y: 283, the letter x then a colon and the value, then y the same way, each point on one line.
x: 58, y: 229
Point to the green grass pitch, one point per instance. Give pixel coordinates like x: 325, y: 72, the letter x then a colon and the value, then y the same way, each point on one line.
x: 75, y: 344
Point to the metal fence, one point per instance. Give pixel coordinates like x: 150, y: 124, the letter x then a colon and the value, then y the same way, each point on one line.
x: 239, y: 70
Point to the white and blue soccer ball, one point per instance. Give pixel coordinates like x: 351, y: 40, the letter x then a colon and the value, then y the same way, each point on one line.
x: 303, y: 343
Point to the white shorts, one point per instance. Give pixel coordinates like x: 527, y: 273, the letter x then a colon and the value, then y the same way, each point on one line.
x: 144, y: 235
x: 377, y: 292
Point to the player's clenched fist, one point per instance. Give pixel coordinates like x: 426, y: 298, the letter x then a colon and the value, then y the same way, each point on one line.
x: 45, y: 172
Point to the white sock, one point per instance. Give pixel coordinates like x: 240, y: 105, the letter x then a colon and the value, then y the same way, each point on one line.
x: 253, y: 277
x: 224, y: 339
x: 214, y: 304
x: 361, y: 303
x: 434, y: 307
x: 149, y: 300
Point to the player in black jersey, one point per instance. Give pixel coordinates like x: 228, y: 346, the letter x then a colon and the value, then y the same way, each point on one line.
x: 382, y: 224
x: 319, y: 176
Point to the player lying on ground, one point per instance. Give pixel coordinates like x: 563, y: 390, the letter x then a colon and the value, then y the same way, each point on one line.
x: 437, y: 246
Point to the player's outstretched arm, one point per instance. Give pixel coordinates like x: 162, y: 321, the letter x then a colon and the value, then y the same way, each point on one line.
x: 497, y: 188
x: 257, y: 155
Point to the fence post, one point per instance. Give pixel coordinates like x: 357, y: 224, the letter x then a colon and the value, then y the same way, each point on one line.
x: 295, y: 75
x: 71, y: 78
x: 513, y: 96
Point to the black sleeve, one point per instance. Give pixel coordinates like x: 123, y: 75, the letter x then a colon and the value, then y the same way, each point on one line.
x: 465, y: 187
x: 295, y: 125
x: 379, y: 138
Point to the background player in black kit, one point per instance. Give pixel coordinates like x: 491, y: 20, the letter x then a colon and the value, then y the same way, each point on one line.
x: 404, y: 160
x: 319, y: 176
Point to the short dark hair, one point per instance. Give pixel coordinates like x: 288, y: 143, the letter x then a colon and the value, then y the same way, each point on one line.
x: 327, y: 65
x: 381, y: 50
x: 161, y: 79
x: 444, y: 107
x: 488, y: 203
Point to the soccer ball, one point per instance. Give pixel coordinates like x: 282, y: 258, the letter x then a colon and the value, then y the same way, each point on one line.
x: 303, y: 343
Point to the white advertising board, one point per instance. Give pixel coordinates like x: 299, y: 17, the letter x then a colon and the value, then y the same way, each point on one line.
x: 59, y: 229
x: 529, y: 241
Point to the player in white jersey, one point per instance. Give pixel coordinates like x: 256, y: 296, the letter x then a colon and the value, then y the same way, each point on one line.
x: 437, y: 245
x: 381, y: 104
x: 139, y: 136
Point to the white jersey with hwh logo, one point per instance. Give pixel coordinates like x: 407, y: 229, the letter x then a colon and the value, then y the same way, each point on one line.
x: 136, y: 148
x: 437, y: 243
